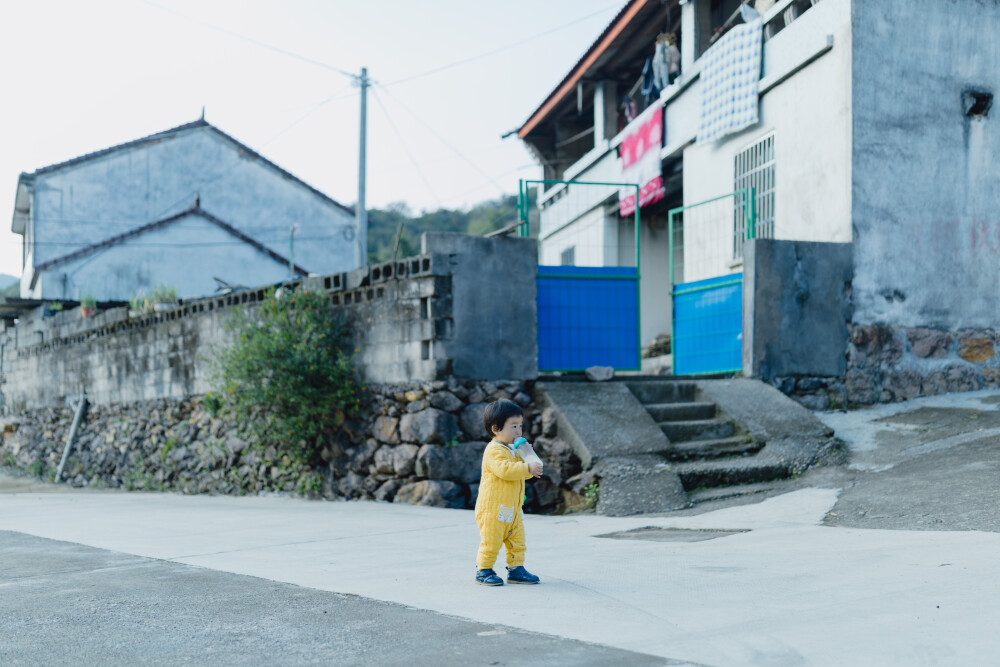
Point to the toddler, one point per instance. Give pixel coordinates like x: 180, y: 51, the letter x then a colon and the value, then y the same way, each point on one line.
x: 501, y: 494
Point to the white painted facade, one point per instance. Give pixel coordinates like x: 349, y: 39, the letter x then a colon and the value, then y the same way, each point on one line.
x: 88, y: 201
x: 805, y: 102
x: 809, y: 114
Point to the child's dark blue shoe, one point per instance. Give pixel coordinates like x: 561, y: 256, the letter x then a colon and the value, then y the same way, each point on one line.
x: 518, y: 575
x: 490, y: 578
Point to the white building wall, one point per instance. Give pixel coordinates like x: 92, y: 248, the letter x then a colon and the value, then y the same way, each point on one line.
x: 187, y: 255
x: 810, y: 115
x: 807, y: 104
x: 83, y: 204
x: 593, y: 237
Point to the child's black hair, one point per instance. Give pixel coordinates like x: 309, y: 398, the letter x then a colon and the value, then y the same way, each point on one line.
x: 498, y: 412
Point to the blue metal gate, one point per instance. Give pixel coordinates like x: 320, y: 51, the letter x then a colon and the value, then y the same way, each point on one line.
x: 708, y: 326
x: 708, y: 308
x: 588, y: 313
x: 588, y: 316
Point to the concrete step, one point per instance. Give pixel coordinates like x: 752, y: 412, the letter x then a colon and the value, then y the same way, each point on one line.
x: 712, y: 449
x: 727, y: 472
x: 662, y: 391
x: 697, y: 429
x: 707, y: 495
x: 666, y: 412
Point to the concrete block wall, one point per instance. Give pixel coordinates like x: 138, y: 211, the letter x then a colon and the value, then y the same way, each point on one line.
x: 404, y: 319
x: 796, y: 308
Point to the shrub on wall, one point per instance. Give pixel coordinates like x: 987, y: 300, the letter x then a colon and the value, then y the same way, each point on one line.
x: 286, y: 372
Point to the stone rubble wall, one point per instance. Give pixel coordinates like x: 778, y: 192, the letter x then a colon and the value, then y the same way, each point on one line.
x: 889, y: 364
x: 418, y: 443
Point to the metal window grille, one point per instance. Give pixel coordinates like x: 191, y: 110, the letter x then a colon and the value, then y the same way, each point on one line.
x: 755, y: 169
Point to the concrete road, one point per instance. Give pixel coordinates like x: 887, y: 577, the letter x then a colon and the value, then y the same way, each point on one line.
x: 889, y: 561
x: 66, y: 604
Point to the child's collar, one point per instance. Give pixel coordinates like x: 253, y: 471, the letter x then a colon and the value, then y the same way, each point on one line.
x: 507, y: 447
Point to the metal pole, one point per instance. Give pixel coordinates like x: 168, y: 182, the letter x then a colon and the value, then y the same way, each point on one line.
x: 72, y: 434
x: 361, y: 214
x: 638, y: 280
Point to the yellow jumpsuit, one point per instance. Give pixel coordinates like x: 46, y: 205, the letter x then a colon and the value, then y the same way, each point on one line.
x: 498, y: 507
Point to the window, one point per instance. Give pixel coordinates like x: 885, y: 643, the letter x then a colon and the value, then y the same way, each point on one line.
x: 754, y: 169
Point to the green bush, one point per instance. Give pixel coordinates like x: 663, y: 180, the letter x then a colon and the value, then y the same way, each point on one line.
x: 286, y: 373
x: 213, y: 403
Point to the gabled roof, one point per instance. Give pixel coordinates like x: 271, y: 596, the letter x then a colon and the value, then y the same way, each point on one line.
x: 194, y: 210
x: 159, y: 136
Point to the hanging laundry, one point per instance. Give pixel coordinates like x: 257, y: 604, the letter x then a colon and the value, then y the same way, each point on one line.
x: 729, y: 78
x: 748, y: 13
x: 666, y: 60
x: 650, y: 91
x: 640, y: 161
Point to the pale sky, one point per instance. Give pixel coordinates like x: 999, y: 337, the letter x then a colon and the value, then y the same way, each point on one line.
x: 82, y: 76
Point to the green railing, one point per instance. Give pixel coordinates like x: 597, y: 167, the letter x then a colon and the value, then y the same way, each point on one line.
x: 718, y: 226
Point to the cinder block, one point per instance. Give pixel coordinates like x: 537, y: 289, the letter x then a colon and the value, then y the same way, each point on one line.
x: 359, y: 277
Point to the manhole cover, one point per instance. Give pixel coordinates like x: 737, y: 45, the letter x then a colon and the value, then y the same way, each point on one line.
x: 657, y: 534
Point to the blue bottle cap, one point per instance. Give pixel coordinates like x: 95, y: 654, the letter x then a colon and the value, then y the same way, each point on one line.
x: 517, y: 443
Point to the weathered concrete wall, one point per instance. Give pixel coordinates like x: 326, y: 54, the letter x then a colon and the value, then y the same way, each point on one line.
x: 82, y: 204
x: 796, y: 308
x: 925, y: 182
x: 466, y: 309
x: 492, y: 332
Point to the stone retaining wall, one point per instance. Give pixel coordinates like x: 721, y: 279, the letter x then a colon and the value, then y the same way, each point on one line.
x: 418, y: 443
x: 888, y: 364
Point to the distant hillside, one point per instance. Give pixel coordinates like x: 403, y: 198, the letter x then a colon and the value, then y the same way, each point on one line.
x: 480, y: 219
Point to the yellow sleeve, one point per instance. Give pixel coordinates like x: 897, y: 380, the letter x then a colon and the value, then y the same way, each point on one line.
x: 505, y: 469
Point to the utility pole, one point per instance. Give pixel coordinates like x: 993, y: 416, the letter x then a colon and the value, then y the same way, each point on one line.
x: 361, y: 213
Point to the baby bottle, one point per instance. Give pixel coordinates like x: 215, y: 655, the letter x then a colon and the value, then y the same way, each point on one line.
x: 523, y: 448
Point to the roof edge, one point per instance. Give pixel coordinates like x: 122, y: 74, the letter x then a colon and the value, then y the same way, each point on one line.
x: 624, y: 17
x: 201, y: 122
x: 193, y: 210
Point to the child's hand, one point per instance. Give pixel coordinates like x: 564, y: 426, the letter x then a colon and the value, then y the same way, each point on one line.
x: 535, y: 469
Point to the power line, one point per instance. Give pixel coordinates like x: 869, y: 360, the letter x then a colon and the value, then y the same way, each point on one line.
x: 402, y: 143
x: 501, y: 49
x: 317, y: 107
x: 251, y: 40
x: 483, y: 185
x: 442, y: 139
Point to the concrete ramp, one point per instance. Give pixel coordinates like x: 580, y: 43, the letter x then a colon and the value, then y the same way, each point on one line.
x: 614, y: 435
x: 602, y: 420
